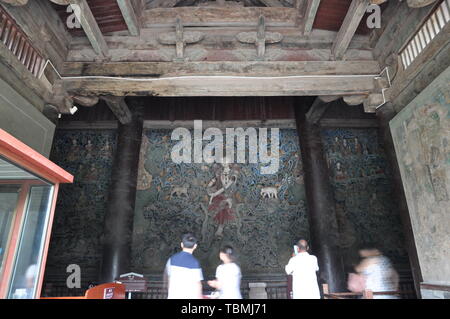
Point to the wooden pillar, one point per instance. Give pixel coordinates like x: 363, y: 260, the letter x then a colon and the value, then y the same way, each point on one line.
x: 320, y: 202
x: 385, y: 114
x: 118, y: 224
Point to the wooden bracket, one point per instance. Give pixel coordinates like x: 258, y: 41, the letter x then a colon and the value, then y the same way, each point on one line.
x: 260, y: 38
x: 180, y: 39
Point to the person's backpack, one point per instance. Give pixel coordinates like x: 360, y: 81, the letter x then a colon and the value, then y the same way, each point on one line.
x: 356, y: 282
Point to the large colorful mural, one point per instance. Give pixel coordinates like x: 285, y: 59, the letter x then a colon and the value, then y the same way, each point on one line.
x: 421, y: 133
x: 81, y: 206
x: 365, y: 207
x: 260, y: 215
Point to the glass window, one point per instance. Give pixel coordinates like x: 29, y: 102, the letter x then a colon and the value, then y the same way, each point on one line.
x: 9, y: 195
x: 33, y: 233
x: 25, y: 205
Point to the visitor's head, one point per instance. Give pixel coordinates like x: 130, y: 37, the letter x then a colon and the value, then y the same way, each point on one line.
x: 369, y: 250
x: 227, y: 254
x: 189, y: 243
x: 302, y: 246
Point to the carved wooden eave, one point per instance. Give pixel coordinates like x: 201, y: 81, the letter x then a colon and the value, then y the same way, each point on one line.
x: 402, y: 23
x: 409, y: 82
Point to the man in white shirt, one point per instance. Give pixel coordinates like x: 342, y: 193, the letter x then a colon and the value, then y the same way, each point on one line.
x: 184, y: 272
x: 303, y: 268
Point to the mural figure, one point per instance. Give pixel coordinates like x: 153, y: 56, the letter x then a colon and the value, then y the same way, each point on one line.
x: 269, y: 192
x: 106, y: 150
x: 180, y: 191
x: 74, y: 151
x: 422, y: 148
x: 144, y: 181
x: 221, y: 195
x: 358, y: 147
x: 339, y: 172
x: 92, y: 175
x: 89, y: 147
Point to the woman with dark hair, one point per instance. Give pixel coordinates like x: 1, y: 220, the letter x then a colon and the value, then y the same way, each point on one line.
x: 228, y: 275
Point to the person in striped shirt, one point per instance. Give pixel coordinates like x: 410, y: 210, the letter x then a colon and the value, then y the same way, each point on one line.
x: 184, y: 272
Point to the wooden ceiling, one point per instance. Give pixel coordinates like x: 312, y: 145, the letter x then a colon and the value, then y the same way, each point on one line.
x: 106, y: 12
x: 330, y: 15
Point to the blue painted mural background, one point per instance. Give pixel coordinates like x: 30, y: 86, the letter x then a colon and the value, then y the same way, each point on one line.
x: 363, y: 189
x: 78, y: 223
x: 262, y: 230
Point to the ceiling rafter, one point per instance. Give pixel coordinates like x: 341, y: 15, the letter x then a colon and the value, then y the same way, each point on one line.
x: 130, y: 16
x: 349, y: 26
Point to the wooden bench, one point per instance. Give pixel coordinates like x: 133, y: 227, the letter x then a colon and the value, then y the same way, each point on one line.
x: 104, y: 291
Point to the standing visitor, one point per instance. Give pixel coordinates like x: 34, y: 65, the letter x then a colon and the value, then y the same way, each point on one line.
x: 303, y: 268
x: 228, y: 275
x: 184, y: 272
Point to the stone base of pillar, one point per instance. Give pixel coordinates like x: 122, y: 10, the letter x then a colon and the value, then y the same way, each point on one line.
x: 258, y: 290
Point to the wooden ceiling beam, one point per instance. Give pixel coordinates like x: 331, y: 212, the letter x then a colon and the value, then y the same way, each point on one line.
x: 223, y: 86
x: 272, y: 3
x: 312, y: 7
x: 348, y: 29
x: 231, y: 68
x: 163, y: 3
x: 130, y: 16
x: 119, y: 107
x: 15, y: 2
x: 90, y: 26
x: 222, y: 78
x: 317, y: 111
x: 219, y: 16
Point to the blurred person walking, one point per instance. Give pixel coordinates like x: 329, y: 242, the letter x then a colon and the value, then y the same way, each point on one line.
x: 376, y: 273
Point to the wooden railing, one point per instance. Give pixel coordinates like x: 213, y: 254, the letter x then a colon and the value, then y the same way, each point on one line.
x: 437, y: 287
x: 12, y: 36
x: 366, y: 294
x: 277, y: 288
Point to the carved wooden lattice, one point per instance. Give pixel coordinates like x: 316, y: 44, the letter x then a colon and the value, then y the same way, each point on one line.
x: 19, y: 44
